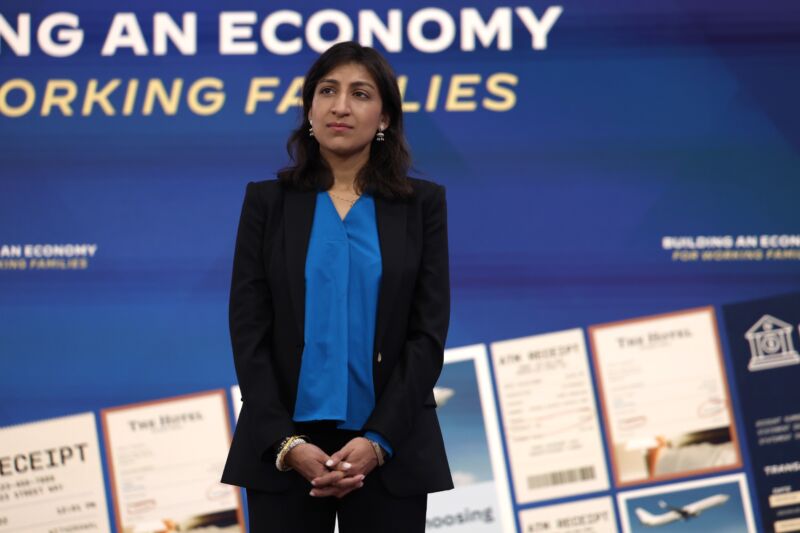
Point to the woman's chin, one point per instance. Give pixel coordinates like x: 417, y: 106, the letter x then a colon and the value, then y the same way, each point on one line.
x: 343, y: 149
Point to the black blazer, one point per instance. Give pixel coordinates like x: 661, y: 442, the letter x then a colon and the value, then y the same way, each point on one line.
x: 267, y: 315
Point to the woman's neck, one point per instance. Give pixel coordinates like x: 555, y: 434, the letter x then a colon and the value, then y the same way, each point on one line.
x: 345, y: 169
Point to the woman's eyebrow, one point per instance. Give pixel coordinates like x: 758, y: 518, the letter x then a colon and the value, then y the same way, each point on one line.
x: 356, y: 83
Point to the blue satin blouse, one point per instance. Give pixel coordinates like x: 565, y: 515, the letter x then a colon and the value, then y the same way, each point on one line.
x: 342, y: 273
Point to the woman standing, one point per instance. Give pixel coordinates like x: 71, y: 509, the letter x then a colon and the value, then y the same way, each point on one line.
x: 339, y: 310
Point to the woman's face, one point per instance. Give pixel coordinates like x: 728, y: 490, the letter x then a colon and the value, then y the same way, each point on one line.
x: 346, y: 111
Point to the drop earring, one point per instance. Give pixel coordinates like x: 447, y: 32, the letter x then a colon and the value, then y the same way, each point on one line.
x: 310, y: 129
x: 380, y: 137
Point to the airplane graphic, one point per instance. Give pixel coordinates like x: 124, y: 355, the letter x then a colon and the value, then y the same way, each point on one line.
x: 686, y: 512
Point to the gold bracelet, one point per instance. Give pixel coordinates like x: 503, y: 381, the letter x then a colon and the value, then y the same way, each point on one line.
x: 378, y: 451
x: 286, y: 446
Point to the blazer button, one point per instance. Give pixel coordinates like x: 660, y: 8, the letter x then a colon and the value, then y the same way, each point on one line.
x: 380, y: 358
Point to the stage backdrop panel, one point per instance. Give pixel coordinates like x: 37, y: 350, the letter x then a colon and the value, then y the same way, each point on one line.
x: 764, y: 336
x: 165, y: 463
x: 549, y: 416
x: 51, y: 478
x: 665, y: 396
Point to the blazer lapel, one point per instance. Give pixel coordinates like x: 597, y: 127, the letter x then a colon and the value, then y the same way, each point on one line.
x: 391, y: 220
x: 298, y: 216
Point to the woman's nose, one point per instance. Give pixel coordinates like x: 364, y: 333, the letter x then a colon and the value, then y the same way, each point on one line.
x: 341, y: 106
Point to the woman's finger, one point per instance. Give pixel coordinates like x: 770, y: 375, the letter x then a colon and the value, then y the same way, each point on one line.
x: 323, y: 492
x: 345, y: 492
x: 335, y: 459
x: 348, y: 482
x: 337, y: 493
x: 327, y: 479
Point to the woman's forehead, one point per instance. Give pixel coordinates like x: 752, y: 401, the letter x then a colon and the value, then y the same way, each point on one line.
x: 350, y: 73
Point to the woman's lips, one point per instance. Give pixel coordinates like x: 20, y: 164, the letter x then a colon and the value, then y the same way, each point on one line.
x: 339, y: 127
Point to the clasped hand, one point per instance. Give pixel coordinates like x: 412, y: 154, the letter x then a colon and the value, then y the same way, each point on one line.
x: 335, y: 475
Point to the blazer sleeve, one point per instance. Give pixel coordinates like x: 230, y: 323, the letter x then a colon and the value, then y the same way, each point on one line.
x: 421, y: 362
x: 251, y: 320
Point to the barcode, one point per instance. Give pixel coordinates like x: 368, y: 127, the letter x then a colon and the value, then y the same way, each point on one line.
x: 561, y: 477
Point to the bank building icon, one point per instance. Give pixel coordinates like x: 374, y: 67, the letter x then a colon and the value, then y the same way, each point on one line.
x: 771, y: 344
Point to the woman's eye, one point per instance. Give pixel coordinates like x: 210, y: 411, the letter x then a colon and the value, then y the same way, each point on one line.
x: 325, y: 90
x: 362, y: 94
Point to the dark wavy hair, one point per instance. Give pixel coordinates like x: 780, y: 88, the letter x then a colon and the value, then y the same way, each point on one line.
x: 385, y: 173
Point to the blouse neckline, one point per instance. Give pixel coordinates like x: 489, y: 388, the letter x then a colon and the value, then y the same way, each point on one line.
x: 341, y: 219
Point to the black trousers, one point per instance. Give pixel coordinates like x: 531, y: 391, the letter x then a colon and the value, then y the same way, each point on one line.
x: 370, y: 509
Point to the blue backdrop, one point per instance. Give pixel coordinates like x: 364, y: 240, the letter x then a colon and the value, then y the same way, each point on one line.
x: 638, y: 121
